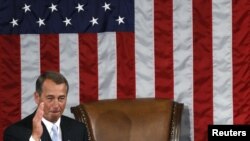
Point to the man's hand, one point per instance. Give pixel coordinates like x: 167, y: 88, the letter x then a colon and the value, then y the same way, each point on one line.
x: 37, y: 129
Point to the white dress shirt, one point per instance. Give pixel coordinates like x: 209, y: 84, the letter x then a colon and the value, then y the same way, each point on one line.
x: 49, y: 125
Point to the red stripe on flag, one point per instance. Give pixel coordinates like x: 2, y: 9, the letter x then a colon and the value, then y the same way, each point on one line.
x: 10, y: 78
x: 88, y: 67
x: 203, y: 68
x: 163, y: 27
x: 241, y: 62
x: 125, y: 65
x: 49, y: 52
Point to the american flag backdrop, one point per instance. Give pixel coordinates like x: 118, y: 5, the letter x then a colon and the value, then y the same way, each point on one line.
x: 196, y: 52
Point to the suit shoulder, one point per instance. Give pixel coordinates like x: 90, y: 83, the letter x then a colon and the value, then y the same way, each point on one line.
x: 24, y: 123
x: 20, y: 129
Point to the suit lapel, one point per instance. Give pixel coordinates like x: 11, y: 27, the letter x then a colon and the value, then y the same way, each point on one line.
x: 64, y: 128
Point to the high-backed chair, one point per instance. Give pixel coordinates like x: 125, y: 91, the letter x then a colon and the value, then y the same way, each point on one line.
x: 146, y: 119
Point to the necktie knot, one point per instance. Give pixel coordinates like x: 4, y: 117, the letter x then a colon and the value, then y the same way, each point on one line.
x: 54, y: 131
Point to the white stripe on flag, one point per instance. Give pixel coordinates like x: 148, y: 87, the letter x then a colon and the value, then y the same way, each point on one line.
x: 222, y: 62
x: 69, y: 67
x: 30, y: 69
x: 107, y: 66
x: 183, y: 63
x: 144, y: 48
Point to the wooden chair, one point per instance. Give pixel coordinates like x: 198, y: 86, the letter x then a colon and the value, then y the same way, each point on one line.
x: 145, y: 119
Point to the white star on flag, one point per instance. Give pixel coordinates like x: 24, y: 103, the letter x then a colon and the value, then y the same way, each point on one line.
x: 94, y: 21
x: 53, y: 7
x: 120, y: 20
x: 106, y: 6
x: 40, y: 22
x: 14, y: 22
x: 26, y: 7
x: 80, y: 7
x: 67, y: 21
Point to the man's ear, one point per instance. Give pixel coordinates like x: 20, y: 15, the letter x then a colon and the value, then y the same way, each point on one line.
x: 37, y: 98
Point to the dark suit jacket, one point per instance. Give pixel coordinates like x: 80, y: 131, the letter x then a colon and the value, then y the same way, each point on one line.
x: 72, y: 130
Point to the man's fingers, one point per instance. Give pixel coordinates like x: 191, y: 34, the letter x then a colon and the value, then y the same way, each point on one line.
x: 40, y: 108
x: 39, y: 112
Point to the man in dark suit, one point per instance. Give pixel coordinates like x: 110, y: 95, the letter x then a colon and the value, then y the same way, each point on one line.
x: 50, y: 96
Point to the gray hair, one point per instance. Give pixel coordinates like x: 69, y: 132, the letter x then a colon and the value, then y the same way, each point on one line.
x: 56, y: 77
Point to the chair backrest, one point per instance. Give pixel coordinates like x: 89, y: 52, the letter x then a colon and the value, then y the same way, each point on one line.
x: 146, y: 119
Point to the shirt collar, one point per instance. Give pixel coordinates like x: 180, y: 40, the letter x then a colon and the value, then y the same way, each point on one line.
x: 49, y: 124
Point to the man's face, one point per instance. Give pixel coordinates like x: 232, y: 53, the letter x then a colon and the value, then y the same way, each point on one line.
x: 54, y: 97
